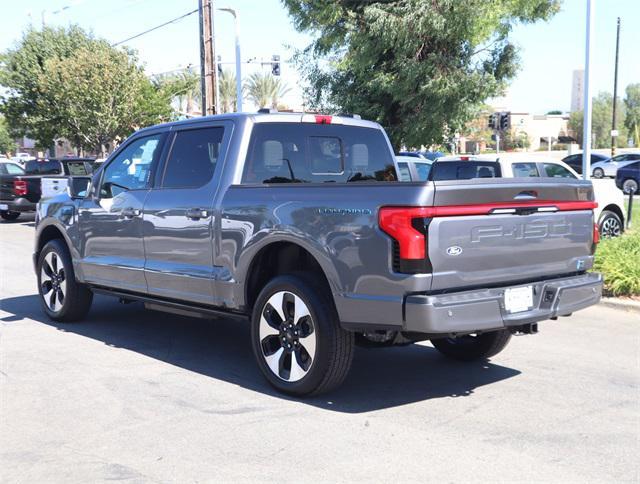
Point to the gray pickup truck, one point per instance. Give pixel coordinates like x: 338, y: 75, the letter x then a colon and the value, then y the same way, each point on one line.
x: 297, y: 224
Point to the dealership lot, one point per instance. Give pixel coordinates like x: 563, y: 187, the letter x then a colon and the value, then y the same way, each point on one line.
x: 146, y: 396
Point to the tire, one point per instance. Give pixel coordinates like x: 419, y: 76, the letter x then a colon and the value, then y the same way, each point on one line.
x: 630, y: 184
x: 471, y: 348
x: 62, y: 298
x: 598, y: 173
x: 6, y: 215
x: 610, y: 224
x: 278, y: 336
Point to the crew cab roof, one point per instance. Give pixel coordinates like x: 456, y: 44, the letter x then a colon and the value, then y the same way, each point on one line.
x: 271, y: 117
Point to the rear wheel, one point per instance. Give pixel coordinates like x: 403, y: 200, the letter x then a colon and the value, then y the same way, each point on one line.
x: 62, y: 298
x: 630, y: 185
x: 6, y: 215
x: 297, y: 339
x: 473, y: 347
x: 598, y: 173
x: 610, y: 224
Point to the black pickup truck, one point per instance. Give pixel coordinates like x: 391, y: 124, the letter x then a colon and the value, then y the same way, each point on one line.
x: 19, y: 192
x: 22, y: 188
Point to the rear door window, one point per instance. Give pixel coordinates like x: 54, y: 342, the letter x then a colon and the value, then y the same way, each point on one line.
x: 193, y: 158
x: 525, y: 170
x: 305, y: 153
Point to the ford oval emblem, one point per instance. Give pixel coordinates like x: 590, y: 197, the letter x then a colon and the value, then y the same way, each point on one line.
x: 454, y: 250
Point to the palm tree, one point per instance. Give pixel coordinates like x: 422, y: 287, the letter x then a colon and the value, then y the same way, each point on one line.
x: 183, y: 87
x: 228, y: 94
x: 265, y: 90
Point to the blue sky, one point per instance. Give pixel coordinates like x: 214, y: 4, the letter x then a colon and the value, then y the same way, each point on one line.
x: 549, y: 51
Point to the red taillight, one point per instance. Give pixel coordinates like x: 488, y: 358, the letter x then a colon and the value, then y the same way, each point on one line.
x: 398, y: 222
x: 323, y: 119
x: 596, y: 234
x: 19, y: 187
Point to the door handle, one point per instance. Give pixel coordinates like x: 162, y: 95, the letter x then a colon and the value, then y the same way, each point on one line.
x: 130, y: 212
x: 197, y: 213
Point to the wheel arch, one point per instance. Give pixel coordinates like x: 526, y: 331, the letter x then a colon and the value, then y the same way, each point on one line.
x: 277, y: 257
x: 612, y: 207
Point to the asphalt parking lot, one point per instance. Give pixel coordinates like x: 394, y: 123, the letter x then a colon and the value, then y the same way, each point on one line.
x: 144, y: 396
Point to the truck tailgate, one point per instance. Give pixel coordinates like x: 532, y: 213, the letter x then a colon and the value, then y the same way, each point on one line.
x: 52, y: 186
x: 504, y: 230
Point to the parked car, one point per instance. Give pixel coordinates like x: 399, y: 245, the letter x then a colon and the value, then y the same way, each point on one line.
x: 610, y: 210
x: 22, y: 158
x: 429, y: 155
x: 608, y: 168
x: 628, y: 178
x: 19, y: 193
x: 55, y: 172
x: 297, y: 223
x: 410, y: 168
x: 575, y: 161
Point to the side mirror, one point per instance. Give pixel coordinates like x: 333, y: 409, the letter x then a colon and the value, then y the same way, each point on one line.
x: 78, y: 186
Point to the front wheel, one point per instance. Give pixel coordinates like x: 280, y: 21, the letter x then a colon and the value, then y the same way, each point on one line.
x: 598, y: 173
x: 62, y: 298
x: 6, y: 215
x: 297, y: 339
x: 473, y: 347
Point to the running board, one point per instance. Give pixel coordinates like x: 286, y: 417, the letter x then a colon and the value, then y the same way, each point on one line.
x: 170, y: 306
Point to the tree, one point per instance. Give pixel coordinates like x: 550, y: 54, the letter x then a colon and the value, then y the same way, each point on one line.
x: 601, y: 115
x: 419, y: 67
x: 183, y: 88
x: 554, y: 111
x: 228, y: 92
x: 7, y: 143
x: 265, y: 90
x: 65, y: 83
x: 632, y: 105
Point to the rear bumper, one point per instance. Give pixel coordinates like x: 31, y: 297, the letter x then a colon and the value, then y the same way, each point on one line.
x: 18, y: 205
x: 481, y: 310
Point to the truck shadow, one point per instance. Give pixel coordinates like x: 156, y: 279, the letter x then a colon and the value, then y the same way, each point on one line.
x: 379, y: 378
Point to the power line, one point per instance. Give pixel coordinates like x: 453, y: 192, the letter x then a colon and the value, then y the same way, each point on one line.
x: 157, y: 27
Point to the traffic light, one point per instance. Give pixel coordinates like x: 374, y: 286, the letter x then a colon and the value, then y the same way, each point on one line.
x: 491, y: 121
x: 504, y: 121
x: 275, y: 65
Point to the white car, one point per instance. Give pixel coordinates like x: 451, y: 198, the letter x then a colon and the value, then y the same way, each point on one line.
x: 22, y: 158
x: 412, y: 168
x: 610, y: 167
x: 610, y: 211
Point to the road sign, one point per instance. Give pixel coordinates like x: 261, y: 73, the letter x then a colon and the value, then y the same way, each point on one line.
x: 614, y: 132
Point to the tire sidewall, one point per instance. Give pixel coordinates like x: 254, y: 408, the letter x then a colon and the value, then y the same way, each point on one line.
x: 321, y: 314
x: 608, y: 215
x: 63, y: 257
x: 598, y: 173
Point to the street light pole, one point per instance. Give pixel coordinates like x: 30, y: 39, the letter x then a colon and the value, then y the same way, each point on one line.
x: 238, y: 58
x: 586, y: 120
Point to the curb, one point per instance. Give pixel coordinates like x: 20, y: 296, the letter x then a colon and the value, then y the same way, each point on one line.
x: 619, y: 303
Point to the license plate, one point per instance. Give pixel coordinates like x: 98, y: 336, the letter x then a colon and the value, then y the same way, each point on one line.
x: 4, y: 206
x: 518, y: 299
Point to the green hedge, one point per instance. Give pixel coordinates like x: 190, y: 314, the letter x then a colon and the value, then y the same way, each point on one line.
x: 619, y: 261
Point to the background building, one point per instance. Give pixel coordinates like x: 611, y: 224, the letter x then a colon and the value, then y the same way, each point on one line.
x: 577, y: 90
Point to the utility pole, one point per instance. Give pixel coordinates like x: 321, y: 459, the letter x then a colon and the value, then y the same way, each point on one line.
x: 208, y: 72
x: 614, y: 131
x: 586, y: 120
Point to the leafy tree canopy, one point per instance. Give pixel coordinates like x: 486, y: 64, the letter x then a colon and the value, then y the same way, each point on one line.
x: 632, y: 105
x: 65, y: 83
x: 419, y: 67
x: 7, y: 143
x: 601, y: 114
